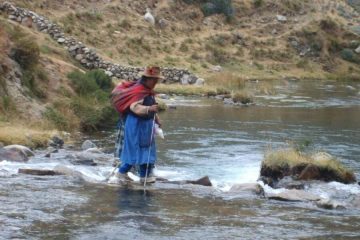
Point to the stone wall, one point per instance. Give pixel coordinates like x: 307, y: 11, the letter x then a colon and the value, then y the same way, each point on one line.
x: 85, y: 56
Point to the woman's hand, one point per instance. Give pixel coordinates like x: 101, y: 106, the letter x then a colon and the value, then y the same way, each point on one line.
x: 158, y: 121
x: 153, y: 108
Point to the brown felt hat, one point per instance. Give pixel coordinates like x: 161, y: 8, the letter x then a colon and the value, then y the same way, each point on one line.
x: 153, y: 72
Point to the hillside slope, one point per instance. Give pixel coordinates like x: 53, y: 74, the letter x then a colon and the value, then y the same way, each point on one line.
x: 263, y: 39
x: 258, y: 39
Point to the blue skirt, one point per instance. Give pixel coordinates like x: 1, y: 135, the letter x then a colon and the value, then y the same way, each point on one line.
x: 138, y: 141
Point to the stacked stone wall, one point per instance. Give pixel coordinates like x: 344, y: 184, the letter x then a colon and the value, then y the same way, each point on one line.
x: 87, y: 57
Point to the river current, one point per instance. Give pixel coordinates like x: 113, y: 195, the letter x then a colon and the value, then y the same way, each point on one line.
x: 202, y: 137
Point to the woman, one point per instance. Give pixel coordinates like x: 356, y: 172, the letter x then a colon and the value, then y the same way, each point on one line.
x: 137, y: 106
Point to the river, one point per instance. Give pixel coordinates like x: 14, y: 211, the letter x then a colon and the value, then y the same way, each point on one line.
x: 202, y: 137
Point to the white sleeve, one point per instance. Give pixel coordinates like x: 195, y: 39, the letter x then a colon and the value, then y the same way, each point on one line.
x: 138, y: 108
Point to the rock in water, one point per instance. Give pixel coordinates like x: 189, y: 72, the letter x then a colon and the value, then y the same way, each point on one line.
x: 204, y: 181
x: 293, y: 195
x: 254, y: 188
x: 20, y: 148
x: 88, y: 144
x: 13, y: 156
x: 38, y: 172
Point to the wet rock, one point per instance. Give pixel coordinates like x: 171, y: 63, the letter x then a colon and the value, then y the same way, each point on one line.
x: 253, y: 188
x: 20, y: 148
x: 38, y: 172
x: 204, y: 181
x: 355, y: 202
x: 13, y: 156
x: 50, y: 150
x: 329, y: 204
x: 94, y: 150
x: 64, y: 170
x: 293, y: 195
x: 289, y: 183
x: 56, y: 142
x: 91, y: 158
x: 88, y: 144
x: 310, y: 172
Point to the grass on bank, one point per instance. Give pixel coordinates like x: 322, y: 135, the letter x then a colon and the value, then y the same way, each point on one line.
x: 24, y: 134
x: 291, y: 158
x: 227, y: 84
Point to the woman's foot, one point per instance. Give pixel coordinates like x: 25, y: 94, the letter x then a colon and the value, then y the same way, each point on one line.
x: 122, y: 177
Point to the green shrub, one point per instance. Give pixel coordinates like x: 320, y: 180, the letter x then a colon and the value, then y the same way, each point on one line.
x: 56, y: 117
x: 348, y: 55
x: 26, y: 52
x: 93, y: 113
x: 28, y: 79
x: 90, y: 82
x: 218, y: 7
x: 7, y: 104
x: 258, y: 3
x: 92, y: 104
x: 328, y: 25
x: 183, y: 47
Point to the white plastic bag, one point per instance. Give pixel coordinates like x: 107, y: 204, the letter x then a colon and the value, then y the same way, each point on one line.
x: 158, y: 131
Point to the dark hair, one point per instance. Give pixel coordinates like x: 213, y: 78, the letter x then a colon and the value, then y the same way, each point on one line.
x: 143, y: 79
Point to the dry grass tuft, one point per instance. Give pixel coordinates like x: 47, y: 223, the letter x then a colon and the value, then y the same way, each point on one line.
x: 25, y: 135
x: 292, y: 158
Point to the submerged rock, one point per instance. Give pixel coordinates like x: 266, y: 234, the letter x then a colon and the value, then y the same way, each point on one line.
x: 204, y: 181
x: 289, y: 183
x: 253, y: 188
x: 329, y: 204
x: 38, y: 172
x: 293, y: 195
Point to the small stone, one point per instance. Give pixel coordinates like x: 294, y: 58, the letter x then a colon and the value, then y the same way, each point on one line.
x: 61, y: 40
x: 109, y: 73
x: 199, y: 82
x: 281, y: 18
x: 357, y: 50
x: 79, y: 57
x: 216, y: 68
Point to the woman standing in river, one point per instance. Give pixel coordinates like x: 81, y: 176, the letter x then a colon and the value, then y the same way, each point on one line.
x: 135, y: 101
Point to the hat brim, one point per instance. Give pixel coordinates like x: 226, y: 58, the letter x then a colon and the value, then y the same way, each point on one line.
x: 152, y: 76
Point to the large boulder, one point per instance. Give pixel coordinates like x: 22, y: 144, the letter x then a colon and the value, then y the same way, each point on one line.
x: 19, y: 148
x: 13, y: 156
x: 301, y: 167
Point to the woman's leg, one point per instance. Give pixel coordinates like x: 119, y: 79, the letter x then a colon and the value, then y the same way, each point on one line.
x: 143, y: 170
x: 124, y: 168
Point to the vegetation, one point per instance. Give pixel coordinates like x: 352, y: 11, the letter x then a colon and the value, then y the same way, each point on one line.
x: 27, y: 135
x: 91, y: 104
x: 290, y: 161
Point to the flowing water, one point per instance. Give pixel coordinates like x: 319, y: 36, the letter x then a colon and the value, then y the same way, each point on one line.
x: 202, y: 137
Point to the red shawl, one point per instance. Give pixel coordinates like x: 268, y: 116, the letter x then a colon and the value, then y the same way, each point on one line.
x: 127, y: 93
